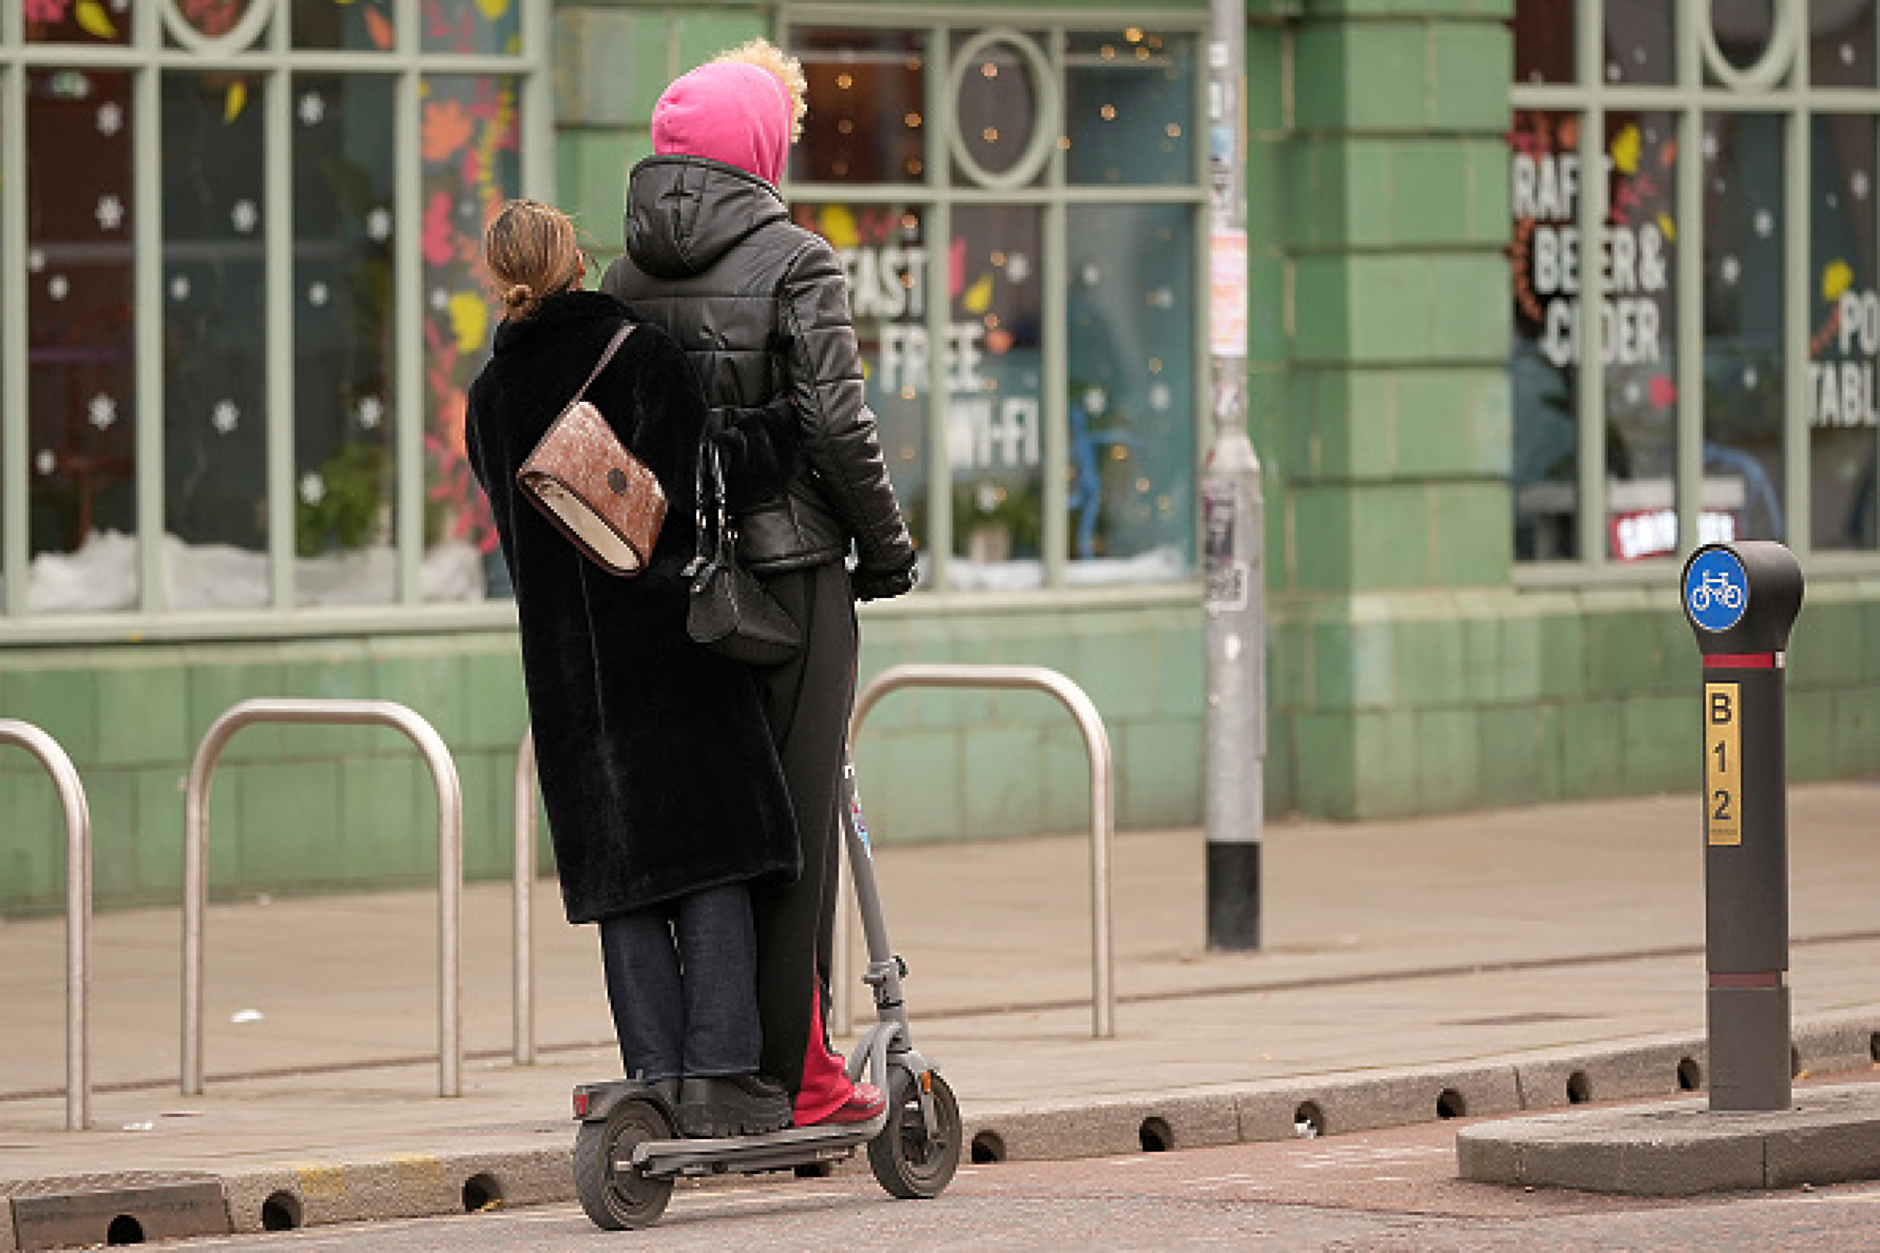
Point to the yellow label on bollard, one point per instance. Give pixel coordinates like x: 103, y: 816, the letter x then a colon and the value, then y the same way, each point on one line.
x: 1723, y: 766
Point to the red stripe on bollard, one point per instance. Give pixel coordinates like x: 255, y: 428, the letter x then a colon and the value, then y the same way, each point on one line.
x: 1749, y: 979
x: 1740, y: 661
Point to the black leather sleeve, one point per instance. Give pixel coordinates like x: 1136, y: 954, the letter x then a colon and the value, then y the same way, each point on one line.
x: 840, y: 443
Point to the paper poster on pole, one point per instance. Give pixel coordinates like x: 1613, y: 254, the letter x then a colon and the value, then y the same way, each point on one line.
x: 1227, y: 293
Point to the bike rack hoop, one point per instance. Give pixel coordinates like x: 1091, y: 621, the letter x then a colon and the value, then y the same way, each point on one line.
x: 1102, y: 800
x: 449, y: 861
x: 77, y: 912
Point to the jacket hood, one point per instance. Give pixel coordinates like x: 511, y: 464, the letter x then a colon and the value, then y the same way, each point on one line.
x: 684, y: 213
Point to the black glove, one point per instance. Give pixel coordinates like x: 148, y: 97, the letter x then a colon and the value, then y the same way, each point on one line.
x: 884, y: 584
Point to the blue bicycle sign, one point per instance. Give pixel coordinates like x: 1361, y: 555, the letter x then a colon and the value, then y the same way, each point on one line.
x: 1716, y: 591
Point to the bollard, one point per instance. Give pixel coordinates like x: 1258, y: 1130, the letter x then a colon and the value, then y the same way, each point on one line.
x: 1741, y: 599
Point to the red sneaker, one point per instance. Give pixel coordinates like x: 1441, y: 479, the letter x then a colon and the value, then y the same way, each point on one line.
x: 865, y: 1101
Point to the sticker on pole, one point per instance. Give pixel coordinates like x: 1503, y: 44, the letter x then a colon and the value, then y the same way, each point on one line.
x: 1716, y: 591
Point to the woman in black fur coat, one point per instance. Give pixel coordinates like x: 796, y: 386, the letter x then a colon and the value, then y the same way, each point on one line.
x: 666, y: 802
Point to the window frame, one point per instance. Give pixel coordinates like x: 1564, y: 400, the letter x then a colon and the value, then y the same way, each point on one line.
x: 1688, y: 98
x: 146, y: 57
x: 938, y: 193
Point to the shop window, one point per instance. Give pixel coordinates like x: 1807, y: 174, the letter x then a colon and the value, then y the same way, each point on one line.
x: 261, y: 292
x: 351, y: 25
x: 1699, y: 401
x: 1844, y: 333
x: 1130, y: 446
x: 343, y: 287
x: 1129, y: 108
x: 82, y: 409
x: 1039, y: 419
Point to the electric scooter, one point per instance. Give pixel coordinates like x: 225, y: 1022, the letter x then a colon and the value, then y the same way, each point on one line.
x: 627, y: 1154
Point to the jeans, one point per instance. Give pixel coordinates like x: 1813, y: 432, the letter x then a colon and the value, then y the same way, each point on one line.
x: 682, y: 983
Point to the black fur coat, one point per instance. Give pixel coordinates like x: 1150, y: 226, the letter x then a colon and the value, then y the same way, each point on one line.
x: 657, y: 768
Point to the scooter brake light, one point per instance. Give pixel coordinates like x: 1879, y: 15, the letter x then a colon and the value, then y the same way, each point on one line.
x: 580, y: 1103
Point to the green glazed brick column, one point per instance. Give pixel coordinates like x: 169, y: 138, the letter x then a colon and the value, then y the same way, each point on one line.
x: 611, y: 62
x: 1393, y: 556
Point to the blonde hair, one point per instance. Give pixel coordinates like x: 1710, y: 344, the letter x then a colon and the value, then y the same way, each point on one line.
x: 789, y: 71
x: 532, y: 253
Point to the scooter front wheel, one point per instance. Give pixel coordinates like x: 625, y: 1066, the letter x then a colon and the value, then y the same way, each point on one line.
x: 618, y: 1197
x: 909, y: 1161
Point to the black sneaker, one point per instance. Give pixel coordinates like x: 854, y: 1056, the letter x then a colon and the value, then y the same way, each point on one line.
x: 714, y: 1106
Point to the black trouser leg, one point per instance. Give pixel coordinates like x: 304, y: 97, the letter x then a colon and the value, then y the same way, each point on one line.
x: 808, y: 703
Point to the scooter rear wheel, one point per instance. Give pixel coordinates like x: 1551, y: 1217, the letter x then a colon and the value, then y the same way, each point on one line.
x: 909, y: 1162
x: 619, y: 1199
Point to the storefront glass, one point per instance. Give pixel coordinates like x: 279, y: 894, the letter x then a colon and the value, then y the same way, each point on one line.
x: 1707, y: 388
x: 300, y: 315
x: 82, y: 409
x: 1054, y: 384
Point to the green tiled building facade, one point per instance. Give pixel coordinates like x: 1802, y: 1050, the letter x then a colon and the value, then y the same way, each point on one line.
x: 1420, y: 658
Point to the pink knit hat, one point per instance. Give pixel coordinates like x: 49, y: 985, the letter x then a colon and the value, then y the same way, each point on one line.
x: 730, y: 111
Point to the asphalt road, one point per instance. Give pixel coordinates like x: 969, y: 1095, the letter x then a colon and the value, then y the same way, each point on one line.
x: 1393, y: 1191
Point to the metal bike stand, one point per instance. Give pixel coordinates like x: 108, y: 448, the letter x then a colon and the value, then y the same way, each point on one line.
x: 1102, y: 811
x: 523, y: 859
x: 77, y: 912
x: 449, y: 861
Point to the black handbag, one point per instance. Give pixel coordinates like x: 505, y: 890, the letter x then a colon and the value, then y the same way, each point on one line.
x: 730, y: 612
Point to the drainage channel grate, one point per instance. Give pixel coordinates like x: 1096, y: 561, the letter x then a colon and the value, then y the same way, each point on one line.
x: 130, y: 1207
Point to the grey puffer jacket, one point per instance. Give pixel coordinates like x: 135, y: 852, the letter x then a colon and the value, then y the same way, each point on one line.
x: 761, y: 307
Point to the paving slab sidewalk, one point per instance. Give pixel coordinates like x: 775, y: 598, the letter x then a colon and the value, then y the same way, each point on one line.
x: 1483, y: 960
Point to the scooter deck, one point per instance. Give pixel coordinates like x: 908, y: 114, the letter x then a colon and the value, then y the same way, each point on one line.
x: 746, y: 1155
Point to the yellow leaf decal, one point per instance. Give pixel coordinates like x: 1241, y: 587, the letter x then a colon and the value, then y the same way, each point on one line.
x: 469, y: 320
x: 838, y: 226
x: 1625, y: 149
x: 94, y: 20
x: 978, y: 297
x: 493, y: 9
x: 1836, y: 279
x: 1668, y: 228
x: 235, y: 101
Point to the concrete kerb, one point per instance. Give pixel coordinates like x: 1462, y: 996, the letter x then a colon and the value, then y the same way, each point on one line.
x: 275, y: 1198
x: 518, y: 1172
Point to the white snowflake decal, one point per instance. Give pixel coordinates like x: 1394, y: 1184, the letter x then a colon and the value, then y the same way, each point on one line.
x: 1750, y: 376
x: 35, y: 259
x: 1018, y: 269
x: 45, y: 462
x: 244, y: 216
x: 312, y: 489
x: 1764, y: 222
x: 1847, y: 54
x: 110, y: 212
x: 379, y: 224
x: 179, y: 288
x: 58, y: 287
x: 1859, y: 184
x: 370, y: 412
x: 312, y: 109
x: 225, y: 417
x: 110, y: 118
x: 440, y: 299
x: 1712, y: 145
x: 102, y: 412
x: 1730, y: 269
x: 317, y: 294
x: 1096, y: 401
x: 1159, y: 397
